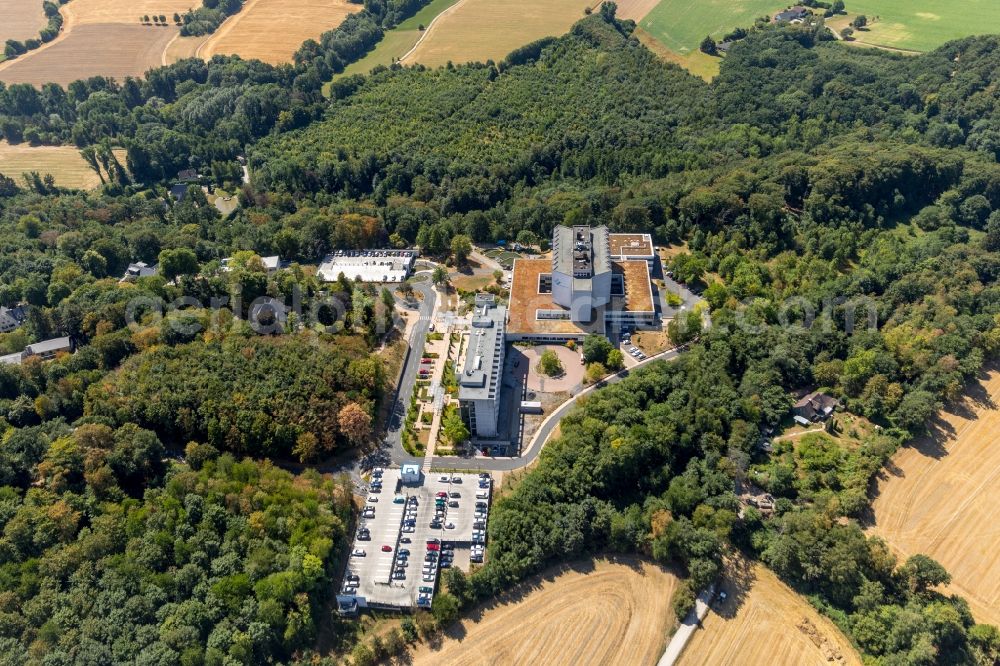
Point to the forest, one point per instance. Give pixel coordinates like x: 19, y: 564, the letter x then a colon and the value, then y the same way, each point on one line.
x: 815, y: 189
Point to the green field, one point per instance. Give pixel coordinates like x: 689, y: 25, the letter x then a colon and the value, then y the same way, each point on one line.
x: 397, y: 41
x: 923, y: 25
x: 680, y: 25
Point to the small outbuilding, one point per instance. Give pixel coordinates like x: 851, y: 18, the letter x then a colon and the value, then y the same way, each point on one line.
x: 410, y: 473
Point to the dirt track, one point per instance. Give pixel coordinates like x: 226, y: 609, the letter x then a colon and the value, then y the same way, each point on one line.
x: 939, y: 497
x: 616, y: 613
x: 765, y: 623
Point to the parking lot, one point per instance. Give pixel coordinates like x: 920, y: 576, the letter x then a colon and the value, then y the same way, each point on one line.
x: 410, y: 532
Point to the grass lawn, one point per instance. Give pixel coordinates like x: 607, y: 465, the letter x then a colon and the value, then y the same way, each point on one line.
x: 425, y: 15
x: 680, y: 25
x: 922, y: 25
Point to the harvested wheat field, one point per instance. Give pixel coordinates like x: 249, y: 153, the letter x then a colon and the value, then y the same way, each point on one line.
x: 635, y: 9
x: 97, y: 49
x: 764, y: 622
x: 601, y: 612
x: 939, y: 497
x: 124, y: 11
x: 272, y: 30
x: 478, y: 30
x: 22, y: 19
x: 63, y: 162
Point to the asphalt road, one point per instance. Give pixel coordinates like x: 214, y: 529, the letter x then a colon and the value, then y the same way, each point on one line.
x: 545, y: 430
x: 401, y: 401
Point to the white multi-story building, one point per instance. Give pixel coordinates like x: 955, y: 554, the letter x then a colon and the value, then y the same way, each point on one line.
x: 479, y: 380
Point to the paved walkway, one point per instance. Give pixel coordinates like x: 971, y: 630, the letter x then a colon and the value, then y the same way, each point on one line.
x: 690, y: 624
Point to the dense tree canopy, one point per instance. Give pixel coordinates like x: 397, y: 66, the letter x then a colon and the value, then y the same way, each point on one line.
x: 839, y: 207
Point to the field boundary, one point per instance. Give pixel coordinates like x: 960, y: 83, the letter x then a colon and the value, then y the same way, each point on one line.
x: 428, y: 29
x: 69, y: 21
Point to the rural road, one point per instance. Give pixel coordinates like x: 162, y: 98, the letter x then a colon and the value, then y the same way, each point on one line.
x: 690, y: 624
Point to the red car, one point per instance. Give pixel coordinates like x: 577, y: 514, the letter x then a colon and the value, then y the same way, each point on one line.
x: 386, y: 549
x: 433, y: 546
x: 442, y: 494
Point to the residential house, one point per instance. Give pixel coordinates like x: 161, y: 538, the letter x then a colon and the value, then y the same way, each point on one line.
x: 137, y: 270
x: 792, y: 15
x: 11, y: 318
x: 815, y: 406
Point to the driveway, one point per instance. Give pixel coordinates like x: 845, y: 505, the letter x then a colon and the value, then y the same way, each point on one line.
x: 545, y: 430
x: 401, y: 399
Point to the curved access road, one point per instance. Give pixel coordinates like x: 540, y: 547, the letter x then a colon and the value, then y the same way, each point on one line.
x: 544, y: 431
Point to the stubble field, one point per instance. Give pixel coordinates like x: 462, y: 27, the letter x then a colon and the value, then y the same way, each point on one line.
x: 479, y: 30
x: 764, y: 623
x: 272, y: 30
x: 22, y: 19
x: 94, y: 49
x: 64, y: 163
x: 940, y: 494
x: 602, y: 613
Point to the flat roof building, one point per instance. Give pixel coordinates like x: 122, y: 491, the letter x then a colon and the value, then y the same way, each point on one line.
x: 629, y: 247
x: 479, y: 380
x: 593, y: 278
x: 368, y: 265
x: 271, y: 264
x: 47, y: 349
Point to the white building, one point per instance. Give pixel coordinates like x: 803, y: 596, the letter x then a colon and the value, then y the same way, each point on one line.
x: 479, y: 380
x: 410, y: 473
x: 137, y: 270
x: 593, y: 280
x: 271, y: 264
x: 581, y: 270
x: 368, y: 265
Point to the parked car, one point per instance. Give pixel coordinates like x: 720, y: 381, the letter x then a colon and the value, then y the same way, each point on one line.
x: 427, y: 590
x: 405, y: 540
x: 358, y: 552
x: 387, y: 548
x: 456, y: 479
x: 433, y: 546
x: 453, y: 504
x: 443, y: 479
x: 433, y: 540
x: 449, y: 526
x: 398, y: 499
x: 482, y: 494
